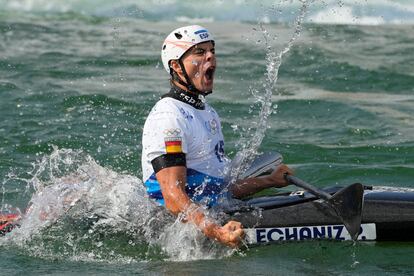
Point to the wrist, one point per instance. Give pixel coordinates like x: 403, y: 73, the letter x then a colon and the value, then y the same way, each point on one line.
x: 272, y: 181
x: 269, y: 181
x: 211, y: 230
x: 206, y: 225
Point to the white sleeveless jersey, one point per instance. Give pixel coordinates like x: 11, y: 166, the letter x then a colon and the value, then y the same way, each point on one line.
x: 174, y: 126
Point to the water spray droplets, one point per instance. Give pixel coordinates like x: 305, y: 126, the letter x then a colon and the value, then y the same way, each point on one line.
x: 244, y: 158
x: 76, y: 202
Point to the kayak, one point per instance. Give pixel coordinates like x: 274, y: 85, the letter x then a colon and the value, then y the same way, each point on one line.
x: 379, y: 213
x: 387, y: 215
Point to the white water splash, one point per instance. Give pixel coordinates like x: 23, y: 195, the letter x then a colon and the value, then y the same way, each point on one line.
x: 80, y: 210
x: 249, y: 151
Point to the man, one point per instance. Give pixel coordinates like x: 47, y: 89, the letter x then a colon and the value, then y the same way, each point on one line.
x: 183, y: 147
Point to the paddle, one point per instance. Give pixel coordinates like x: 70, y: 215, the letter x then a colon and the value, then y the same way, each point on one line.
x: 347, y: 202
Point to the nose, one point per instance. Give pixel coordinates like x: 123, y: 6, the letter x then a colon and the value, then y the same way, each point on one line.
x: 210, y: 55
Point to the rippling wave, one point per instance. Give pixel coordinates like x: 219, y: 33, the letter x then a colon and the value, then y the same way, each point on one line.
x: 324, y: 12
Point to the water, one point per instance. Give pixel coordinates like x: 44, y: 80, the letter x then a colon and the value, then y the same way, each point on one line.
x: 76, y: 85
x: 250, y: 145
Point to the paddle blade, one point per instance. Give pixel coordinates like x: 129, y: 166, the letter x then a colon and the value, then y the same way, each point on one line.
x: 348, y: 203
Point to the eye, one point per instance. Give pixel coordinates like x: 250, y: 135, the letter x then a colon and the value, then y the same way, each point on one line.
x: 213, y: 51
x: 199, y: 51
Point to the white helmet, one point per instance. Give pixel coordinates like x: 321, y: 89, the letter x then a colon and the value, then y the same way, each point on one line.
x: 180, y: 40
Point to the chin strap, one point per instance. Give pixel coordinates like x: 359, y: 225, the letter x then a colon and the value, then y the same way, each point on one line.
x: 188, y: 84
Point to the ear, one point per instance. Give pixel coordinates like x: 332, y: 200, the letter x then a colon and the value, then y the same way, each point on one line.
x: 176, y: 66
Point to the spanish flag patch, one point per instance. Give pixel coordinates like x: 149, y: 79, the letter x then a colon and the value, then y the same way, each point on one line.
x: 173, y: 146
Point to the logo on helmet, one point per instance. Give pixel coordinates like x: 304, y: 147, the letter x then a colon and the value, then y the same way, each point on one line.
x: 203, y: 34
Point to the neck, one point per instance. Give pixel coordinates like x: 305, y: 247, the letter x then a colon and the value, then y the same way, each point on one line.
x: 180, y: 86
x: 188, y: 97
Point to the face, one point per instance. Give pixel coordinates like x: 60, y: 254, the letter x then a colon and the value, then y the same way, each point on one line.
x: 200, y: 65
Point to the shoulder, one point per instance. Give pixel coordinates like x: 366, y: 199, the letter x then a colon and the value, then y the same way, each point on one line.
x: 163, y: 109
x: 165, y: 105
x: 166, y: 113
x: 169, y: 107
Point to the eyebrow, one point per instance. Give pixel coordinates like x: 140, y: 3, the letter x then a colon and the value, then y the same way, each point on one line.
x: 197, y: 48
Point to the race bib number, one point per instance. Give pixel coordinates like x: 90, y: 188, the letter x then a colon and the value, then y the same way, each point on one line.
x: 219, y: 150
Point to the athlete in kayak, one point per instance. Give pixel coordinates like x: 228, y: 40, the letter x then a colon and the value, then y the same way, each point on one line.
x: 183, y: 159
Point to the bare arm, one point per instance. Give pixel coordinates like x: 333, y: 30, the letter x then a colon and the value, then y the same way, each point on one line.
x: 249, y: 186
x: 172, y: 181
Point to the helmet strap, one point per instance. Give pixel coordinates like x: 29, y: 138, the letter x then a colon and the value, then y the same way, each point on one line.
x: 188, y: 83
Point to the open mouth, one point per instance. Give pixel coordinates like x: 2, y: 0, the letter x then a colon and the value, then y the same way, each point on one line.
x: 210, y: 73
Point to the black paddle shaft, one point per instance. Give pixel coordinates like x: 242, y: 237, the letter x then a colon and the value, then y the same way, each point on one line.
x: 298, y: 182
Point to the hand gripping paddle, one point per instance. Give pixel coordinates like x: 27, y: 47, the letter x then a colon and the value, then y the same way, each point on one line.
x: 347, y: 202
